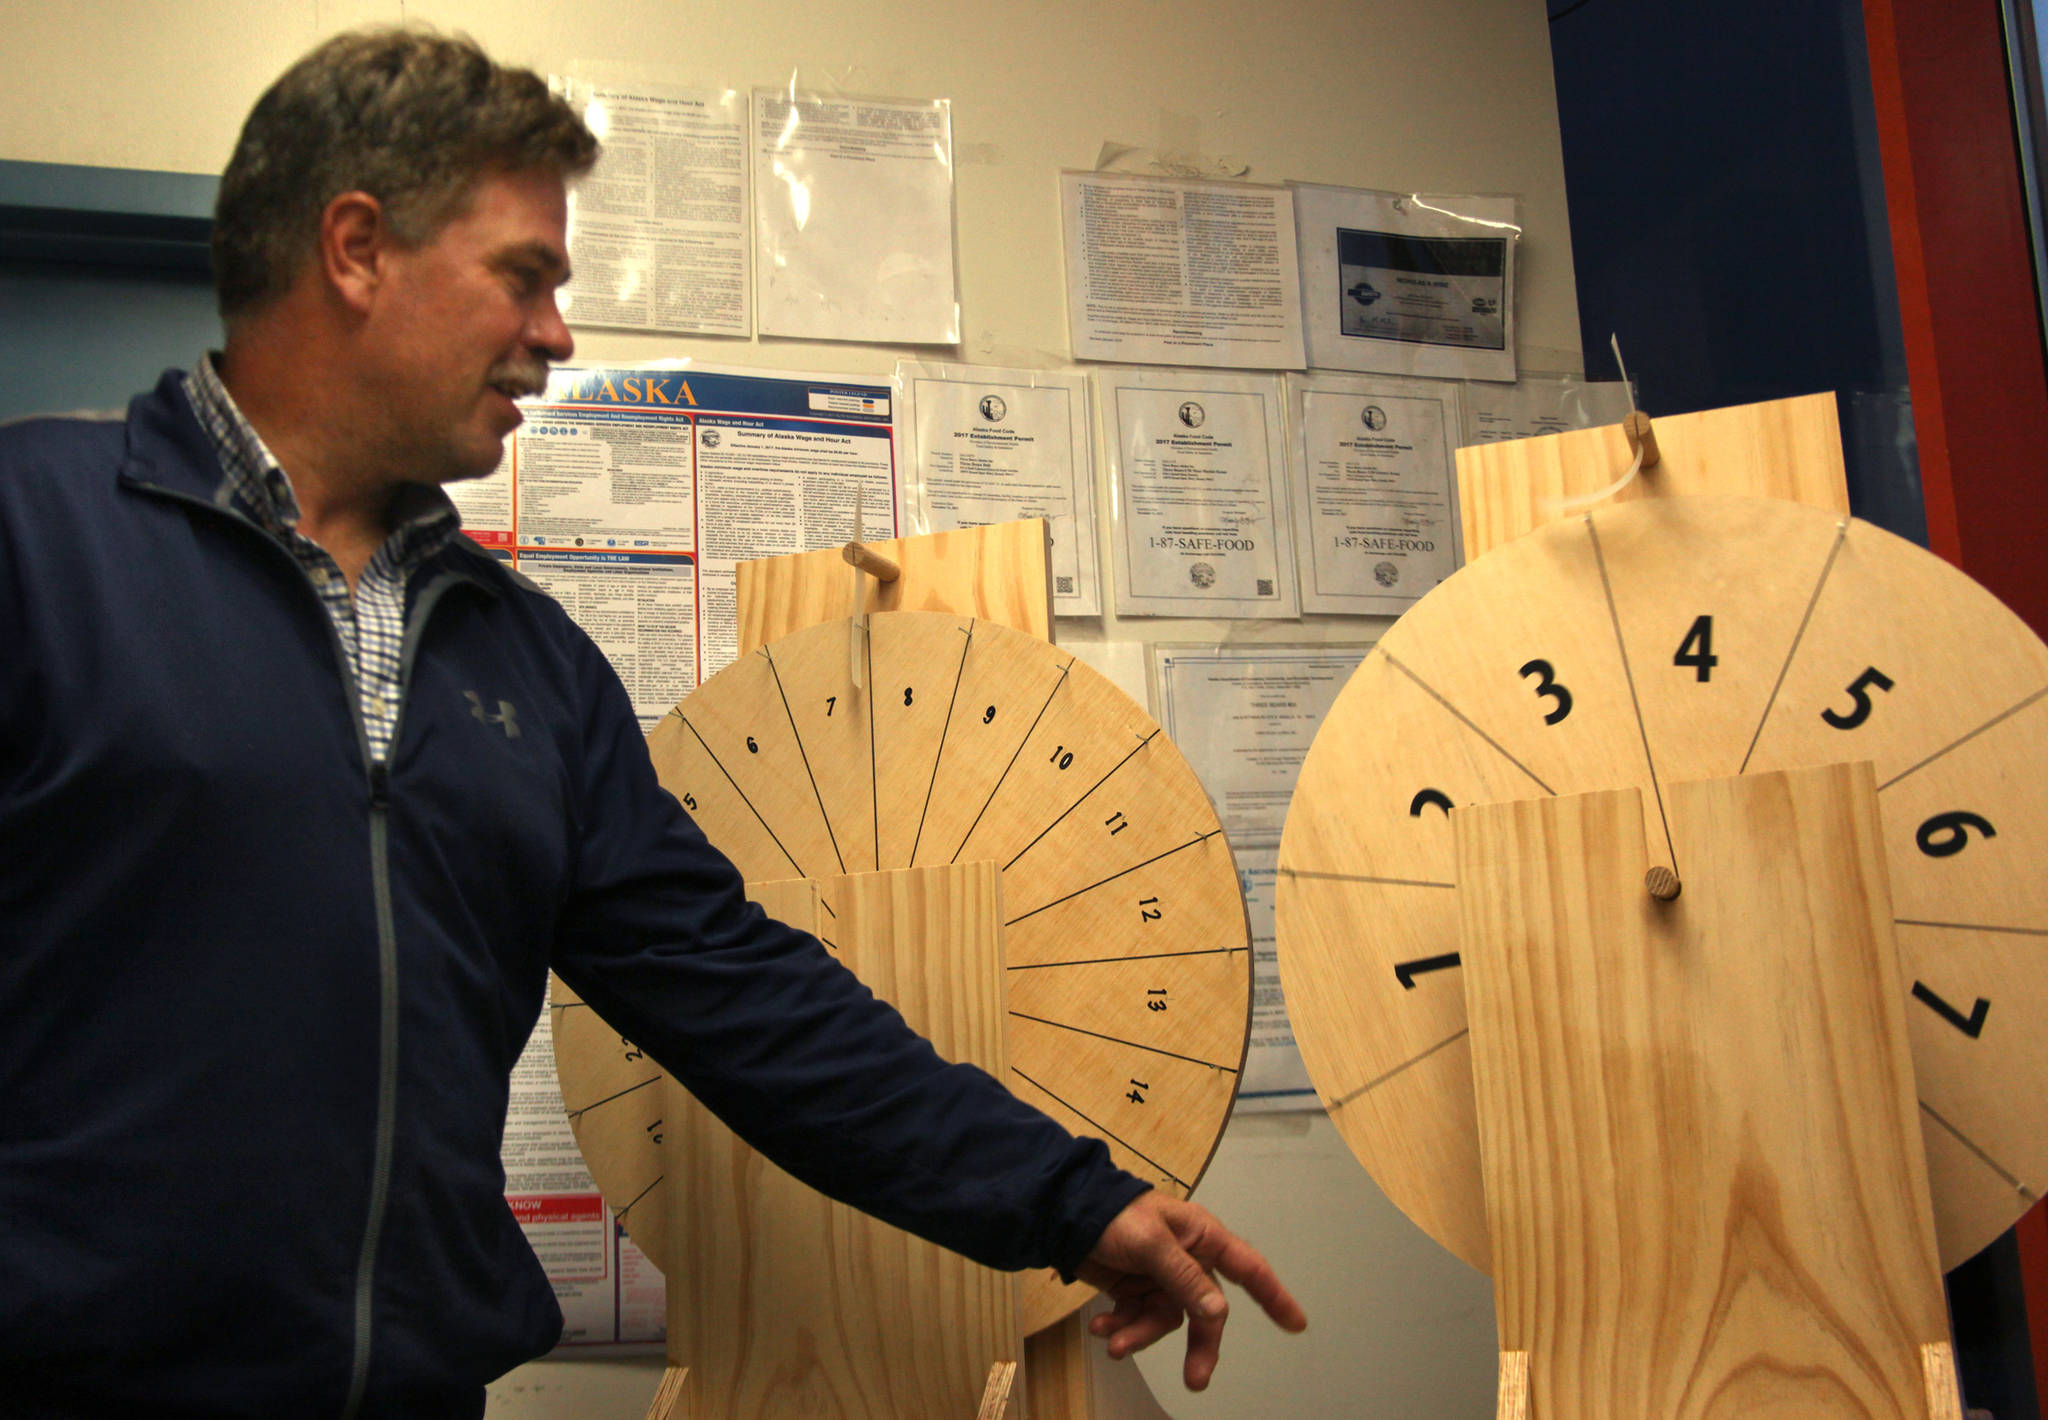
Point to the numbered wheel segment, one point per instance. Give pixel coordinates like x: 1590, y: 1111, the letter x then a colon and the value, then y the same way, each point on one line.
x: 1649, y: 643
x: 1129, y: 964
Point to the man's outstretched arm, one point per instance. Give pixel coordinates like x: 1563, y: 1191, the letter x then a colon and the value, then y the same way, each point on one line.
x: 1158, y: 1261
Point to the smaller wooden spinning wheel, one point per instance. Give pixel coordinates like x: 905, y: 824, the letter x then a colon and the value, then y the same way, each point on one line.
x: 1645, y: 644
x: 1128, y: 958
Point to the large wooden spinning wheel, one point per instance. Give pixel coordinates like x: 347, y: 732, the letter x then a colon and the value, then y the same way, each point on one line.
x: 1128, y: 959
x: 1649, y: 643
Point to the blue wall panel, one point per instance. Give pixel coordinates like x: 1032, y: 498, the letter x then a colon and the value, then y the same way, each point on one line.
x: 103, y: 283
x: 1728, y: 217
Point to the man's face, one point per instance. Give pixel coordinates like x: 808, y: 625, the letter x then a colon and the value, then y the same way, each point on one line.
x: 467, y: 323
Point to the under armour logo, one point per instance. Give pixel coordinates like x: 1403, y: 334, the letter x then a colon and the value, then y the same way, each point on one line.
x: 507, y: 716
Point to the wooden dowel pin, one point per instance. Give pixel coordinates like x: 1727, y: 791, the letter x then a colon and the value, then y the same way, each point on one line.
x: 859, y: 554
x: 1641, y: 438
x: 1662, y: 883
x: 1513, y: 1403
x: 1944, y: 1395
x: 995, y: 1399
x: 672, y: 1399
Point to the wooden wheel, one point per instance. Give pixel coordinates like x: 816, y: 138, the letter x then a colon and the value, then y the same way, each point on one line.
x: 1128, y: 954
x: 1646, y: 644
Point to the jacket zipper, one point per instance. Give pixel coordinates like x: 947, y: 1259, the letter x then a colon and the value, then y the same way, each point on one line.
x: 379, y: 776
x: 387, y: 980
x: 387, y: 1071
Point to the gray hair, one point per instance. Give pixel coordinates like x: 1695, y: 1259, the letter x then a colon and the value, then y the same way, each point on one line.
x: 412, y: 118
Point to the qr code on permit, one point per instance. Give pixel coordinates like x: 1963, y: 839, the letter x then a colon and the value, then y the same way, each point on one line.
x: 1265, y: 586
x: 1064, y: 586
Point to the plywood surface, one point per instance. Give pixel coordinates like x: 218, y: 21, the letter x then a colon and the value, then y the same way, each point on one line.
x: 1000, y: 573
x: 1127, y: 956
x: 789, y: 1304
x: 1649, y: 643
x: 1697, y: 1120
x: 1783, y: 448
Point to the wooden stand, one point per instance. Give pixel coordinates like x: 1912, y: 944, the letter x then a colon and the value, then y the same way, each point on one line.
x: 1674, y: 1111
x: 782, y: 1303
x: 671, y: 1400
x: 1784, y: 448
x: 1000, y: 573
x: 778, y: 596
x: 788, y: 1304
x: 1698, y: 1128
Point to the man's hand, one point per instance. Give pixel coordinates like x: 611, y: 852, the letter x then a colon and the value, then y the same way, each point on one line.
x: 1157, y: 1260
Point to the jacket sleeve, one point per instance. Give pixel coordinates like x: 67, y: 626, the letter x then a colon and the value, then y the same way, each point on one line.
x: 768, y: 1030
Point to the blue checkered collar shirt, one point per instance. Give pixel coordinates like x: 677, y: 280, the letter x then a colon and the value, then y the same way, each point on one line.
x: 370, y: 626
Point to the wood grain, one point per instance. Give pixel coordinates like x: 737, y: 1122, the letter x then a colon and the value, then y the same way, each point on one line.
x: 1783, y: 448
x: 994, y: 576
x: 1056, y: 1379
x: 1698, y: 638
x: 1944, y: 1395
x: 790, y: 1304
x: 1698, y: 1120
x: 672, y: 1396
x: 1125, y: 939
x: 1514, y: 1386
x: 1000, y: 573
x: 995, y: 1396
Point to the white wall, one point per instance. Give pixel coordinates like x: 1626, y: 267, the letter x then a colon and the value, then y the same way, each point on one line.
x: 1437, y: 95
x: 1441, y: 95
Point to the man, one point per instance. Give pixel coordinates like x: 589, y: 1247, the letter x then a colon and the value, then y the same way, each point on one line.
x: 276, y: 909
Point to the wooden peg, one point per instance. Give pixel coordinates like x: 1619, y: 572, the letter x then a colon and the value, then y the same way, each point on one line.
x: 1662, y: 883
x: 1513, y: 1403
x: 1938, y: 1366
x: 860, y: 555
x: 1641, y: 438
x: 995, y: 1397
x: 672, y: 1399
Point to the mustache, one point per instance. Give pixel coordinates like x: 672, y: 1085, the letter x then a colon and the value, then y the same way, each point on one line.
x: 523, y: 377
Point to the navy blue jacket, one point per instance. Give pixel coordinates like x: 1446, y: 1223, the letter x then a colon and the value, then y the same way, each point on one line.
x: 261, y: 997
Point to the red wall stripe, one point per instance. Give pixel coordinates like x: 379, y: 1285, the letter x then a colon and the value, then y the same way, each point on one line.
x: 1963, y: 255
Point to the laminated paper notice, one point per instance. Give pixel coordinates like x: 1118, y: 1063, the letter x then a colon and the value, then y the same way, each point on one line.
x: 1173, y: 272
x: 1375, y: 490
x: 1406, y: 284
x: 658, y: 230
x: 1199, y: 493
x: 986, y: 445
x: 1245, y: 716
x: 1541, y: 404
x: 1275, y: 1078
x: 631, y: 495
x: 853, y: 218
